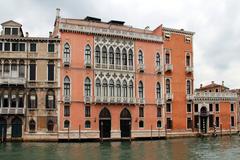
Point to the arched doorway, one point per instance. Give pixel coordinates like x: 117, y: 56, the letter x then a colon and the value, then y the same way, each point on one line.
x: 203, y: 119
x: 105, y: 123
x: 16, y: 128
x: 3, y: 128
x: 125, y: 123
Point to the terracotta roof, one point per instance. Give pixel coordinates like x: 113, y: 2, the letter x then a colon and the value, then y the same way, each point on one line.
x: 212, y: 85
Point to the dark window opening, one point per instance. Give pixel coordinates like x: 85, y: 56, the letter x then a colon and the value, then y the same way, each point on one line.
x: 87, y: 111
x: 168, y: 107
x: 169, y: 123
x: 33, y: 47
x: 66, y: 111
x: 51, y: 47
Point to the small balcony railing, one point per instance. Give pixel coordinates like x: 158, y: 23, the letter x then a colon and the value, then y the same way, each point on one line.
x: 87, y: 64
x: 189, y: 97
x: 66, y: 62
x: 168, y: 67
x: 121, y: 100
x: 159, y: 69
x: 169, y: 96
x: 159, y: 101
x: 189, y: 69
x: 140, y: 67
x: 12, y: 80
x: 87, y: 99
x: 67, y: 99
x: 11, y: 110
x: 141, y: 101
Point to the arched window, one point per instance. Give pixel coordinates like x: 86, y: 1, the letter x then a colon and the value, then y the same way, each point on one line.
x: 141, y: 124
x: 159, y: 124
x: 124, y: 86
x: 167, y: 57
x: 21, y: 69
x: 111, y: 56
x: 13, y: 102
x: 118, y: 86
x: 158, y: 59
x: 188, y: 87
x: 87, y: 124
x: 111, y: 88
x: 140, y: 57
x: 140, y: 89
x: 21, y: 99
x: 104, y: 55
x: 98, y: 87
x: 131, y: 89
x: 124, y: 57
x: 130, y: 57
x: 6, y: 68
x: 32, y: 126
x: 105, y: 88
x: 14, y: 71
x: 97, y: 55
x: 87, y: 87
x: 158, y: 90
x: 188, y: 60
x: 32, y: 102
x: 66, y: 86
x: 88, y: 54
x: 66, y: 53
x: 50, y: 99
x: 66, y: 124
x: 118, y: 57
x: 50, y: 125
x: 168, y: 87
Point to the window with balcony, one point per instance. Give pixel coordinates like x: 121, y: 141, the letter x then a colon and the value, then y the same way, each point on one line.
x: 51, y: 47
x: 159, y: 124
x: 5, y: 100
x: 66, y: 86
x: 111, y: 88
x: 87, y: 124
x: 131, y: 89
x: 87, y: 87
x: 32, y: 126
x: 140, y: 57
x: 98, y: 87
x: 105, y: 88
x: 14, y: 71
x: 111, y: 56
x: 87, y: 111
x: 21, y: 69
x: 130, y: 58
x: 32, y: 70
x: 140, y: 89
x: 33, y: 47
x: 188, y: 87
x: 20, y: 99
x: 88, y: 54
x: 188, y: 60
x: 66, y: 53
x: 13, y: 100
x: 97, y: 55
x: 159, y: 112
x: 66, y: 111
x: 118, y: 87
x: 168, y: 86
x: 66, y: 124
x: 118, y: 57
x: 124, y: 57
x: 50, y: 99
x: 158, y: 62
x: 6, y: 68
x: 124, y: 88
x: 32, y: 99
x: 158, y: 90
x: 104, y: 55
x: 50, y: 71
x: 167, y: 57
x: 1, y: 69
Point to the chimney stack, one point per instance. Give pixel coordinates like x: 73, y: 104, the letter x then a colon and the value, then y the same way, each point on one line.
x: 212, y: 82
x: 50, y: 34
x: 200, y: 85
x: 222, y: 83
x: 27, y: 34
x: 58, y: 13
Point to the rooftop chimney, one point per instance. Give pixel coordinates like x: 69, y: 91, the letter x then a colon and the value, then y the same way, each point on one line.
x: 212, y: 82
x: 58, y: 12
x: 27, y: 34
x: 200, y: 85
x: 222, y: 83
x: 50, y: 34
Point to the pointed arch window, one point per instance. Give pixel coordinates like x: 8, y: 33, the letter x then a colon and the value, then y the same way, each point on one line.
x: 105, y: 88
x: 14, y: 71
x: 87, y: 87
x: 98, y: 87
x: 130, y: 57
x: 111, y: 56
x: 124, y: 57
x: 32, y: 99
x: 188, y: 87
x: 167, y: 57
x: 118, y: 57
x: 140, y: 89
x: 158, y: 60
x: 66, y: 53
x: 111, y: 88
x: 124, y: 86
x: 140, y: 57
x: 158, y: 90
x: 87, y: 54
x: 21, y: 69
x: 118, y: 86
x: 104, y: 55
x: 188, y: 60
x: 66, y: 86
x: 50, y: 99
x: 168, y: 86
x: 32, y: 126
x: 97, y: 55
x: 131, y: 89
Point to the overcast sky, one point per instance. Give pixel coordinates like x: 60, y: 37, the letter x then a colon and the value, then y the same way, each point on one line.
x: 216, y: 24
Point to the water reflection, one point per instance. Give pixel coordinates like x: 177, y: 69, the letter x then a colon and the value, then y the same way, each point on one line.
x: 191, y: 148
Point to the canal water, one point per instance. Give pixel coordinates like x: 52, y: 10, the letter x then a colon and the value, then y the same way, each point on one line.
x: 178, y: 149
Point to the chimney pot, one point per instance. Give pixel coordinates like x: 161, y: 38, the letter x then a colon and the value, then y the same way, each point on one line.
x: 27, y: 34
x: 58, y: 12
x: 222, y: 83
x: 200, y: 85
x: 50, y: 34
x: 212, y: 82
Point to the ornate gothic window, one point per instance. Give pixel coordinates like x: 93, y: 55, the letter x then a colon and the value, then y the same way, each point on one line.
x: 168, y: 87
x: 130, y: 57
x: 118, y: 86
x: 158, y: 59
x: 158, y: 90
x: 32, y: 101
x: 98, y: 87
x: 124, y: 57
x: 66, y: 86
x: 105, y: 88
x: 87, y: 87
x: 50, y: 99
x: 66, y: 53
x: 124, y: 86
x: 118, y: 57
x: 140, y: 89
x: 104, y: 55
x: 97, y: 55
x: 111, y: 88
x: 140, y: 57
x: 88, y: 54
x: 111, y: 56
x: 131, y: 89
x: 188, y: 87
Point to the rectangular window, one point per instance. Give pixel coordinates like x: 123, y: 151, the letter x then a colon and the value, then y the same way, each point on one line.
x: 87, y: 111
x: 6, y: 46
x: 232, y: 107
x: 51, y: 72
x: 210, y: 120
x: 33, y: 47
x: 167, y: 58
x: 159, y: 112
x: 1, y: 44
x: 217, y: 121
x: 232, y: 121
x: 50, y: 47
x: 141, y: 112
x: 196, y: 108
x: 50, y: 101
x: 189, y: 123
x: 217, y: 107
x: 7, y: 31
x: 189, y: 107
x: 33, y: 101
x: 32, y: 72
x: 169, y: 123
x: 196, y: 121
x: 5, y: 101
x: 66, y: 111
x: 14, y: 46
x: 13, y: 101
x: 22, y: 47
x: 15, y: 31
x: 21, y: 70
x: 20, y: 101
x: 168, y: 107
x: 210, y: 107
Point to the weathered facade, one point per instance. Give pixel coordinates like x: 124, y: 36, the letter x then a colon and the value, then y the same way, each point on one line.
x: 28, y: 84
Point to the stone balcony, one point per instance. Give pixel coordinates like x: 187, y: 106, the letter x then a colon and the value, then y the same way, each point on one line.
x: 10, y: 110
x: 159, y: 69
x: 66, y: 62
x: 87, y: 64
x: 113, y: 67
x: 168, y: 67
x: 67, y: 99
x: 190, y: 97
x: 215, y: 96
x: 159, y: 101
x: 140, y: 67
x: 12, y: 81
x: 141, y: 101
x: 189, y: 69
x: 169, y: 96
x: 87, y: 99
x: 116, y: 100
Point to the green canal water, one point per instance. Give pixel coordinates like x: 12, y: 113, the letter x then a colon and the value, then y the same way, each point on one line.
x: 189, y: 148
